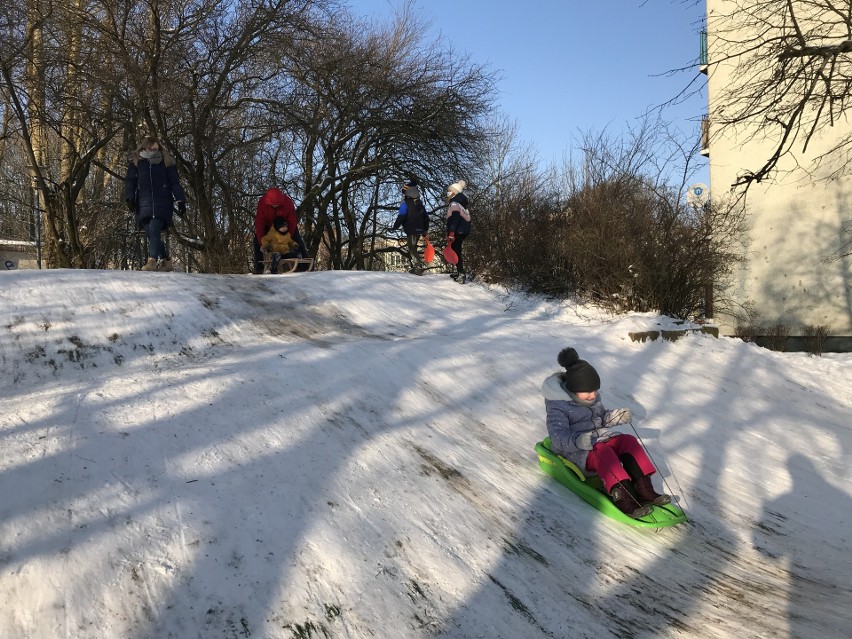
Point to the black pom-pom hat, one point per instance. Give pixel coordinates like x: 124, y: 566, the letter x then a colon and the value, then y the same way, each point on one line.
x: 579, y: 376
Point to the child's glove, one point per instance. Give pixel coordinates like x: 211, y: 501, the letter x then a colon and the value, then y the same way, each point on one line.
x: 617, y: 416
x: 584, y: 440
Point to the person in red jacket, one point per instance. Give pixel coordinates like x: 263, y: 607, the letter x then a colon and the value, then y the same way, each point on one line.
x: 274, y: 203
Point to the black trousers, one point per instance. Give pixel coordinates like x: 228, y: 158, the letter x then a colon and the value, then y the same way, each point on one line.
x: 457, y: 248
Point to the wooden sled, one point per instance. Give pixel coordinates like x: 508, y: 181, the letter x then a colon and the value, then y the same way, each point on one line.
x: 292, y: 263
x: 289, y: 264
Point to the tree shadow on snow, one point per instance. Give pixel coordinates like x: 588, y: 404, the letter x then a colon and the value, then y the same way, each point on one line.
x: 819, y: 566
x: 603, y: 578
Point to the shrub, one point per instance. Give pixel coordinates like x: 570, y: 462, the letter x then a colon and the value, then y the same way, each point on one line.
x: 747, y: 332
x: 776, y: 337
x: 815, y: 337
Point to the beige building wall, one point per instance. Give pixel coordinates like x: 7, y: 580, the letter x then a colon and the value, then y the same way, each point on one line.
x: 17, y: 255
x: 793, y: 275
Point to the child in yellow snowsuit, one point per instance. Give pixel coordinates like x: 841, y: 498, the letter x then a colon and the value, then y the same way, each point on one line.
x: 279, y: 242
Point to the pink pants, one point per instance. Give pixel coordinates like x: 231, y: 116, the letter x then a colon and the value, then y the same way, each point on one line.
x: 604, y: 459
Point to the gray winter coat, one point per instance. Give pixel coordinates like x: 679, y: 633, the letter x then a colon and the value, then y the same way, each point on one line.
x: 567, y: 418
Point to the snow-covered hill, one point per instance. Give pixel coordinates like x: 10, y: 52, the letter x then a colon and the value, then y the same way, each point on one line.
x: 351, y: 455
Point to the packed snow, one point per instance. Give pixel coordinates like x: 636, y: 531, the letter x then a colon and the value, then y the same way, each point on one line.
x: 351, y: 454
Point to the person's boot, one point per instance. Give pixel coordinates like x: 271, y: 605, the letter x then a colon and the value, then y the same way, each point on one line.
x: 642, y: 483
x: 626, y: 502
x: 165, y: 266
x: 150, y: 265
x: 646, y: 493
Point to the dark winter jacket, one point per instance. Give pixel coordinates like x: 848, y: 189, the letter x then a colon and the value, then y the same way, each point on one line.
x: 274, y: 203
x: 567, y: 418
x: 412, y: 217
x: 458, y: 217
x: 154, y: 187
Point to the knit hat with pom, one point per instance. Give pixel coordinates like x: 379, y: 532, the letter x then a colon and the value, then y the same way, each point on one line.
x: 456, y: 188
x: 580, y: 376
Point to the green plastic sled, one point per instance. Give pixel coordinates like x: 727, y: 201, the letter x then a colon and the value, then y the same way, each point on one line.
x: 591, y: 490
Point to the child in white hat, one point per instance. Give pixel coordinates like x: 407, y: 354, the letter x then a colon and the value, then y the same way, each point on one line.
x: 458, y: 226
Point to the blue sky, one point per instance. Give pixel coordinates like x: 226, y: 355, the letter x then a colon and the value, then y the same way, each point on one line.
x: 570, y: 66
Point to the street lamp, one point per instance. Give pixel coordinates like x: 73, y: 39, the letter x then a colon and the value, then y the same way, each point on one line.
x: 37, y: 204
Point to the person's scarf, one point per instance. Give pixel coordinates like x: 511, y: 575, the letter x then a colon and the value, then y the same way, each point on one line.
x: 153, y: 157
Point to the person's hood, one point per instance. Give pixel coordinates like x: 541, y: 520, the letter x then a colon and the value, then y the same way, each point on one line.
x: 552, y: 388
x: 276, y: 197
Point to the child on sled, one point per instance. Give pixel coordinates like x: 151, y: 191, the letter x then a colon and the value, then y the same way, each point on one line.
x: 279, y: 242
x: 580, y: 430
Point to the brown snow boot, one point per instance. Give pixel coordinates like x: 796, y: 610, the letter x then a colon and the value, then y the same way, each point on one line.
x: 642, y: 483
x: 646, y: 493
x: 626, y: 502
x: 151, y: 265
x: 166, y: 266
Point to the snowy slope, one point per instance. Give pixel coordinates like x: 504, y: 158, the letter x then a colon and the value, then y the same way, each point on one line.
x: 341, y: 454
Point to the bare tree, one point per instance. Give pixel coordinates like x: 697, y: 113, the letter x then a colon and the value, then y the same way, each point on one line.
x: 514, y: 197
x: 636, y: 243
x: 791, y: 76
x: 204, y: 77
x: 86, y: 79
x: 372, y: 105
x: 246, y: 95
x: 60, y: 84
x: 614, y: 227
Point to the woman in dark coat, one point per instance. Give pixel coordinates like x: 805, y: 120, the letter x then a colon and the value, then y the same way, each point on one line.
x: 151, y: 190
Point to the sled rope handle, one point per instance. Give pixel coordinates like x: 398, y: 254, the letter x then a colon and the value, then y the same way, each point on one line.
x: 671, y: 470
x: 652, y: 517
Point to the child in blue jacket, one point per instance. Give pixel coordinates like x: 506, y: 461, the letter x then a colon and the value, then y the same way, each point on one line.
x: 414, y: 220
